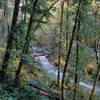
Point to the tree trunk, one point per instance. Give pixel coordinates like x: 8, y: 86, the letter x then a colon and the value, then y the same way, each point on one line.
x: 25, y: 13
x: 67, y: 27
x: 97, y: 62
x: 26, y: 44
x: 45, y: 92
x: 60, y: 41
x: 70, y: 47
x: 10, y: 40
x: 95, y: 82
x: 77, y: 59
x: 97, y: 75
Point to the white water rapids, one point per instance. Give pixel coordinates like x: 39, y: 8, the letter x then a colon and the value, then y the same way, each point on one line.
x: 52, y: 70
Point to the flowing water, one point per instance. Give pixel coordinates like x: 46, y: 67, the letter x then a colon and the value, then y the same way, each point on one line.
x: 52, y: 70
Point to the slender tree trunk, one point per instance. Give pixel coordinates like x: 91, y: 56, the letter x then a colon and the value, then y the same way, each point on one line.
x: 26, y: 44
x: 10, y: 40
x: 3, y: 31
x: 60, y: 41
x: 77, y: 60
x: 24, y: 17
x: 25, y: 13
x: 70, y: 47
x: 95, y: 82
x: 97, y: 74
x: 67, y: 26
x: 97, y: 62
x: 6, y: 19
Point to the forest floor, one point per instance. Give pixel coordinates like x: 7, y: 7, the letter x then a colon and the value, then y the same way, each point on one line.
x: 39, y: 82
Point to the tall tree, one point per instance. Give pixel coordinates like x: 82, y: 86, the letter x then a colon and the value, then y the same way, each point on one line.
x: 10, y: 40
x: 70, y: 47
x: 26, y: 44
x: 77, y: 59
x: 97, y: 60
x: 60, y: 43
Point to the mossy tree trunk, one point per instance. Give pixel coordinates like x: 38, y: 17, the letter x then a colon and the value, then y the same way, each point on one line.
x: 10, y: 41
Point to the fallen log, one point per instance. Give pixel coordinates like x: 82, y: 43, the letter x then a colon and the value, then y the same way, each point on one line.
x: 45, y: 91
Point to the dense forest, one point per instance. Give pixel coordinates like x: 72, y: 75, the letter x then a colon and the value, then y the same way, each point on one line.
x: 49, y: 49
